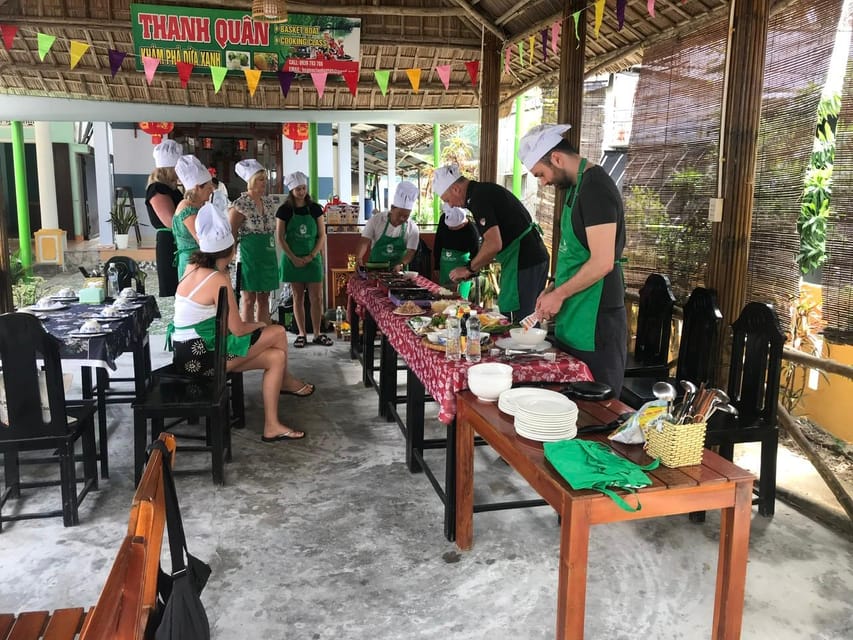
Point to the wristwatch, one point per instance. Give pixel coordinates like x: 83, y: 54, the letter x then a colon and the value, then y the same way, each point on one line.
x: 470, y: 270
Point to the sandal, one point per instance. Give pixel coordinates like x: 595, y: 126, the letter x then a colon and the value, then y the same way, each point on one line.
x: 323, y: 339
x: 303, y: 392
x: 300, y: 342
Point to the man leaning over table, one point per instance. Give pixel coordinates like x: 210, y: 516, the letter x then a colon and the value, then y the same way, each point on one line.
x: 588, y: 294
x: 391, y: 237
x: 509, y: 236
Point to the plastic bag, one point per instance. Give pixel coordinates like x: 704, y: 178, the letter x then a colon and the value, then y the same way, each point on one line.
x: 632, y: 431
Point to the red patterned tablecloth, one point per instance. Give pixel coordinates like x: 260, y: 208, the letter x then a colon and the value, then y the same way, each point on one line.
x: 441, y: 378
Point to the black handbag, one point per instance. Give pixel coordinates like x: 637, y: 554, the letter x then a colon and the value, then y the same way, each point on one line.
x: 179, y: 613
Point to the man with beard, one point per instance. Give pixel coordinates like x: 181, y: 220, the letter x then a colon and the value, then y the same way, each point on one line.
x: 587, y: 297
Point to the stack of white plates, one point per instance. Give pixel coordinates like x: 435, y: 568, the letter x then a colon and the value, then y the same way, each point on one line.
x: 540, y: 414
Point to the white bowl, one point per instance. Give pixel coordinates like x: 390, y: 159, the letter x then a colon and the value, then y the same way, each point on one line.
x: 488, y: 380
x: 90, y: 326
x: 67, y: 292
x: 127, y: 292
x: 436, y: 337
x: 111, y: 311
x: 528, y: 337
x: 44, y: 303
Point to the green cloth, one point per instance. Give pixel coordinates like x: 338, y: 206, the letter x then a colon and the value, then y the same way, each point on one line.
x: 592, y: 465
x: 388, y: 249
x: 508, y: 300
x: 301, y: 237
x: 259, y: 270
x: 206, y: 330
x: 184, y: 240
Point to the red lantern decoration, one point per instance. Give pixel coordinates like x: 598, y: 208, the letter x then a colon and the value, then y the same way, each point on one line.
x: 242, y: 144
x: 157, y: 130
x: 207, y: 143
x: 296, y: 131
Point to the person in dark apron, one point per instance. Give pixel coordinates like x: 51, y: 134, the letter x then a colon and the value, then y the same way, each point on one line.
x: 510, y: 236
x: 161, y: 200
x: 588, y: 296
x: 252, y: 217
x: 301, y: 233
x: 391, y: 239
x: 456, y: 242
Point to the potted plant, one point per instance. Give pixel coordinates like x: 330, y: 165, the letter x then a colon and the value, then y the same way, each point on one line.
x: 26, y: 288
x: 122, y: 218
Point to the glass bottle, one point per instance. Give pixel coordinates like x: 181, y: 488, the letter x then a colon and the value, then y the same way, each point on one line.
x: 112, y: 280
x: 452, y: 345
x: 472, y: 347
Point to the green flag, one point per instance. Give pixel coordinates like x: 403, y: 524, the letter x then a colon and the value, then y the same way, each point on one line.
x: 382, y: 79
x: 45, y: 43
x: 218, y: 75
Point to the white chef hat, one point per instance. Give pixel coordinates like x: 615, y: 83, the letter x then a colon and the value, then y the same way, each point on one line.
x: 213, y: 229
x: 191, y: 172
x: 295, y: 179
x: 166, y: 154
x: 453, y: 216
x: 539, y: 141
x: 444, y: 177
x: 405, y: 195
x: 247, y: 168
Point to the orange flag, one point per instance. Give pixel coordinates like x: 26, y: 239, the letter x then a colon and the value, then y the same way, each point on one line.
x: 414, y: 78
x: 77, y: 50
x: 252, y: 78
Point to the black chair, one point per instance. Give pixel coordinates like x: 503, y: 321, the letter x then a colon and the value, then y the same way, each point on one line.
x: 753, y: 387
x: 34, y: 423
x: 700, y: 332
x: 179, y: 397
x: 654, y: 329
x: 128, y: 273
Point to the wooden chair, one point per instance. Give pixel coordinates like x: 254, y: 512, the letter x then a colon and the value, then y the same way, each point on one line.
x: 700, y: 332
x: 128, y: 273
x: 168, y: 397
x: 654, y: 329
x: 754, y: 390
x: 36, y: 423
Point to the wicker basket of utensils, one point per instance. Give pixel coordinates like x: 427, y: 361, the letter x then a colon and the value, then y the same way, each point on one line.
x: 676, y: 445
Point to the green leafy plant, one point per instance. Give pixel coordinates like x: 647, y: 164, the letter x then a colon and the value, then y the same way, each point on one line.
x: 26, y: 288
x: 804, y: 335
x: 122, y: 216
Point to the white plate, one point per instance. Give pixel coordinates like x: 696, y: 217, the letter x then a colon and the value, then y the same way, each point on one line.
x: 568, y: 434
x: 87, y: 334
x: 56, y: 306
x: 552, y: 406
x: 508, y: 399
x: 509, y: 343
x: 64, y: 298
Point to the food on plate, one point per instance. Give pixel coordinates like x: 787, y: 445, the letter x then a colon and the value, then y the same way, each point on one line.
x: 266, y: 61
x: 438, y: 306
x: 408, y: 308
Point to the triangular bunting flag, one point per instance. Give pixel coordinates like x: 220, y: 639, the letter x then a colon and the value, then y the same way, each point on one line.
x: 150, y: 65
x: 599, y: 15
x: 443, y: 71
x: 185, y: 70
x: 544, y: 35
x: 650, y: 4
x: 414, y: 78
x: 521, y: 53
x: 45, y: 42
x: 620, y: 12
x: 351, y: 78
x: 382, y: 79
x: 116, y: 58
x: 531, y: 44
x: 217, y: 74
x: 284, y: 79
x: 9, y: 32
x: 473, y: 67
x: 319, y: 78
x: 77, y: 49
x: 555, y: 34
x: 252, y: 78
x: 576, y: 17
x: 507, y: 58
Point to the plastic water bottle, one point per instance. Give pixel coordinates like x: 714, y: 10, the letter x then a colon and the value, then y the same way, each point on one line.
x: 112, y: 279
x: 472, y: 349
x: 339, y: 318
x: 452, y: 348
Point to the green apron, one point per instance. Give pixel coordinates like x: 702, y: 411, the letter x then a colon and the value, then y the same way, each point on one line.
x: 450, y: 259
x: 508, y: 257
x: 206, y: 330
x: 390, y: 250
x: 301, y: 236
x: 577, y: 317
x: 184, y: 241
x: 257, y: 255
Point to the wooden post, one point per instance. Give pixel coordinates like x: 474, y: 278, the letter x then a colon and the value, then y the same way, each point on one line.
x: 490, y: 75
x: 6, y: 302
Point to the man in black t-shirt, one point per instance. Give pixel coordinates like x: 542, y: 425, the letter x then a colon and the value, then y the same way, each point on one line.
x: 509, y: 236
x: 588, y: 296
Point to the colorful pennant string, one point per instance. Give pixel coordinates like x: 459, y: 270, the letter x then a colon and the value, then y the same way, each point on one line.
x: 116, y: 58
x: 650, y: 4
x: 473, y: 68
x: 620, y: 12
x: 45, y: 42
x: 285, y: 78
x: 414, y: 79
x: 319, y: 80
x: 599, y: 16
x: 217, y: 74
x: 253, y: 76
x: 185, y: 70
x: 9, y: 31
x: 351, y: 78
x: 382, y: 76
x: 443, y: 72
x: 76, y: 51
x: 150, y: 65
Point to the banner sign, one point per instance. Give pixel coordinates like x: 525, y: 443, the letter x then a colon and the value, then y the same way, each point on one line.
x: 231, y: 39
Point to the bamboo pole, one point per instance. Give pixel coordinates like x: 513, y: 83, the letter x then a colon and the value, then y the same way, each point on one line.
x: 490, y: 97
x: 813, y: 362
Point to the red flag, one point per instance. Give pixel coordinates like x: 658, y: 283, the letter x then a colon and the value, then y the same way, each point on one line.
x: 185, y: 69
x: 473, y: 71
x: 351, y: 78
x: 9, y: 32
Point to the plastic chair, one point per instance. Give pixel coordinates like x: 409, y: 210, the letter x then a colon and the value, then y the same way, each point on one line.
x: 36, y: 423
x: 128, y: 273
x: 654, y: 329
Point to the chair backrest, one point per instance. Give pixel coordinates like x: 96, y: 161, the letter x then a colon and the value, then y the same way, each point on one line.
x: 700, y: 332
x: 128, y: 273
x: 221, y: 352
x: 654, y: 320
x: 23, y: 341
x: 756, y: 363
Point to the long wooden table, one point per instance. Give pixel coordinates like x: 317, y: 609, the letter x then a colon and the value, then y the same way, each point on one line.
x: 715, y: 484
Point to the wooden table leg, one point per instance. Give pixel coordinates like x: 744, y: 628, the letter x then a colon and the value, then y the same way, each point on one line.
x: 414, y: 420
x: 368, y: 350
x: 464, y: 516
x: 574, y: 555
x: 731, y: 565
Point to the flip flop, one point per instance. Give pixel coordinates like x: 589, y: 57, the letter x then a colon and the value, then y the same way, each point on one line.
x: 303, y: 392
x: 283, y: 436
x: 323, y: 339
x: 300, y: 342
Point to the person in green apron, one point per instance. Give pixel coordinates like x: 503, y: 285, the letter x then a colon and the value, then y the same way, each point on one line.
x: 510, y: 237
x: 161, y: 199
x: 588, y: 296
x: 391, y: 239
x: 456, y: 241
x: 252, y: 217
x: 301, y: 233
x: 250, y: 345
x: 198, y: 188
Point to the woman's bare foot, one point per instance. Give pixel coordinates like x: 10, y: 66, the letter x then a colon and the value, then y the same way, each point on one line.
x: 279, y: 432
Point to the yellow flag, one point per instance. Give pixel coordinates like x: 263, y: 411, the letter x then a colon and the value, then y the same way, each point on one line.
x: 77, y: 50
x: 414, y: 78
x: 599, y: 15
x: 530, y: 45
x: 253, y: 76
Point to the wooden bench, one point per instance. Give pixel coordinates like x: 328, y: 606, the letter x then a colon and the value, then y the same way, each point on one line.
x: 130, y: 592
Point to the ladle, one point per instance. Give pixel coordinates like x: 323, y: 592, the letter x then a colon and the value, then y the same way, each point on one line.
x: 664, y: 391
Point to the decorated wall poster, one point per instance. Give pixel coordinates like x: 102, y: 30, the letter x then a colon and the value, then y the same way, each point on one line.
x: 231, y: 39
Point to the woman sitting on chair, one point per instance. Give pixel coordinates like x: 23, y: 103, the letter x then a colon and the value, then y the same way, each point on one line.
x: 251, y: 345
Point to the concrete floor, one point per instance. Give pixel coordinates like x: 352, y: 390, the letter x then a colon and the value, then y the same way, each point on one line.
x: 332, y: 538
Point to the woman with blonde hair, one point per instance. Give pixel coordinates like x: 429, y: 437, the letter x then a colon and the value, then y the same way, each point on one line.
x: 198, y: 188
x: 161, y: 199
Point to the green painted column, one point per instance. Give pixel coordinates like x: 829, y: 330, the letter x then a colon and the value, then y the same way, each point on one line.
x: 313, y: 163
x: 21, y: 194
x: 436, y: 161
x: 516, y: 161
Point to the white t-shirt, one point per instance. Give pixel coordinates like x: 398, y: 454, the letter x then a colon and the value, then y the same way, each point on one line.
x: 374, y: 227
